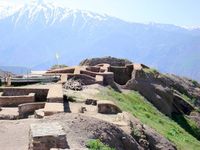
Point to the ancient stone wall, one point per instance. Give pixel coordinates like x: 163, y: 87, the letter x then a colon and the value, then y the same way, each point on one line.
x: 29, y: 108
x: 40, y: 94
x: 11, y: 101
x: 122, y: 74
x: 93, y: 68
x: 86, y: 79
x: 108, y: 77
x: 44, y: 136
x: 90, y: 73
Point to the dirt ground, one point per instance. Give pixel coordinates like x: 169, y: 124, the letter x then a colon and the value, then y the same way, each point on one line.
x: 14, y: 134
x: 79, y: 128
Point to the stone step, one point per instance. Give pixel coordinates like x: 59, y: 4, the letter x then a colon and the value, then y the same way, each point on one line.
x: 53, y: 108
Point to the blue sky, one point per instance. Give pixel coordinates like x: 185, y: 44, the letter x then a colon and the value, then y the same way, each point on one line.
x: 178, y: 12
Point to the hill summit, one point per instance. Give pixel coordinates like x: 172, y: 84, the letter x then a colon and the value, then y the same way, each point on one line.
x: 104, y: 103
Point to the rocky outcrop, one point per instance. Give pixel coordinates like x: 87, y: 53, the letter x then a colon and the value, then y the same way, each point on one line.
x: 148, y: 138
x: 157, y: 141
x: 105, y: 60
x: 162, y: 96
x: 183, y: 85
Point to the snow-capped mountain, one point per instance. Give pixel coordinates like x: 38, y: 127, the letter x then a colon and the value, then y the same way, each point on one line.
x: 32, y: 34
x: 46, y: 13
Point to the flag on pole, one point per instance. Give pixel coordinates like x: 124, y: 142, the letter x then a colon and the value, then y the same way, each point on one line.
x: 57, y: 56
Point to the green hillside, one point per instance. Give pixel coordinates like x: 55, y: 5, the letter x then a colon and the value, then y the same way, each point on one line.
x: 136, y: 104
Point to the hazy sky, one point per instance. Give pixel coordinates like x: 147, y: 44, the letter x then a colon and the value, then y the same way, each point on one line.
x: 179, y: 12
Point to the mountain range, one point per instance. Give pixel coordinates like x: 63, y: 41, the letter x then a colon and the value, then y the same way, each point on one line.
x: 32, y: 34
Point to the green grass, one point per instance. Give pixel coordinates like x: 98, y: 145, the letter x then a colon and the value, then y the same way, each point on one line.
x: 134, y: 103
x: 97, y: 145
x: 188, y: 124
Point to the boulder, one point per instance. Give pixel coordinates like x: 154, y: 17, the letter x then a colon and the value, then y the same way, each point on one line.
x: 39, y: 113
x: 91, y: 102
x: 108, y: 107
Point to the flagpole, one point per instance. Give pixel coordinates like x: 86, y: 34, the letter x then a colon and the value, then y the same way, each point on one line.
x: 57, y: 57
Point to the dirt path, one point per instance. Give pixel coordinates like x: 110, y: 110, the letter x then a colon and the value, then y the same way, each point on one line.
x: 14, y: 134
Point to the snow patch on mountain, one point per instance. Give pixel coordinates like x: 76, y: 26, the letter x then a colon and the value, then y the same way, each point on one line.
x: 48, y: 12
x: 8, y: 9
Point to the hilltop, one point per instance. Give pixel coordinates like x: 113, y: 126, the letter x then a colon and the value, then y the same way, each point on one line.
x: 104, y: 103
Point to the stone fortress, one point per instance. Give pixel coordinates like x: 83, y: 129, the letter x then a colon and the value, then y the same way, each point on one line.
x: 40, y: 100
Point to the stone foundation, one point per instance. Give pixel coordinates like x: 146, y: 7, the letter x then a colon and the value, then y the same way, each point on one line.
x: 44, y: 136
x: 29, y: 108
x: 40, y: 93
x: 14, y: 101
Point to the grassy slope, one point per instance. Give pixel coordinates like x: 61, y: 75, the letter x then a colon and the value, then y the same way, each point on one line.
x: 133, y: 102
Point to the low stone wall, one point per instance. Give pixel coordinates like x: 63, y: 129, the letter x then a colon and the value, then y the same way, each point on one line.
x: 108, y: 77
x: 29, y: 108
x: 93, y: 68
x: 13, y: 101
x: 90, y: 73
x: 40, y: 94
x: 86, y: 79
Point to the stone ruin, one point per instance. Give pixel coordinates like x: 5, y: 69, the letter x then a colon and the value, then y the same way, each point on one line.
x: 103, y: 74
x: 25, y: 100
x: 44, y: 136
x: 42, y: 100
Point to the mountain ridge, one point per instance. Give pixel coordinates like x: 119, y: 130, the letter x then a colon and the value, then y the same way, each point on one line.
x: 41, y: 31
